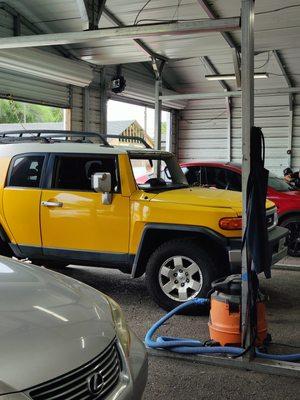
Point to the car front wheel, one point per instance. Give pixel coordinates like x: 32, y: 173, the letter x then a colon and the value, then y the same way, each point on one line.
x: 178, y: 271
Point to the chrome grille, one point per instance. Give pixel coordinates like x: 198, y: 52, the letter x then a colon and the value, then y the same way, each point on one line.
x: 74, y: 385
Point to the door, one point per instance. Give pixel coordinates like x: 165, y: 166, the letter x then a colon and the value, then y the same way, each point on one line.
x: 74, y: 221
x: 21, y: 201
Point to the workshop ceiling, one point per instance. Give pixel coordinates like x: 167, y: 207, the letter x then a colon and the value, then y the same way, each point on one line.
x: 277, y: 27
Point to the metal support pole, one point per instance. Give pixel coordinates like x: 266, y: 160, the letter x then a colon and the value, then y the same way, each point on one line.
x: 103, y: 102
x: 290, y: 133
x: 229, y: 120
x: 247, y: 123
x: 86, y: 109
x: 158, y: 109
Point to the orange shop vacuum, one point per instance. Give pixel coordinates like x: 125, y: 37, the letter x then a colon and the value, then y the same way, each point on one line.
x: 225, y: 313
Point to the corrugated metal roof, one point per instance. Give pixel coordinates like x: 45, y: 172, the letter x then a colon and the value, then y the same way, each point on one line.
x: 273, y: 30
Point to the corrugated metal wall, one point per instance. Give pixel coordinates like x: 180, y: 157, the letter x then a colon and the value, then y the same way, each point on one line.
x: 203, y: 131
x: 78, y: 122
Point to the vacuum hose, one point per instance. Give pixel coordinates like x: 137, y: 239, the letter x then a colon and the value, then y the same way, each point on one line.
x: 191, y: 346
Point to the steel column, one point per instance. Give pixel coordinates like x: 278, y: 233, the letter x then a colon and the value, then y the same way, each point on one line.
x: 103, y: 102
x: 290, y: 135
x: 229, y: 123
x: 247, y: 124
x: 86, y: 109
x: 158, y: 109
x: 289, y: 83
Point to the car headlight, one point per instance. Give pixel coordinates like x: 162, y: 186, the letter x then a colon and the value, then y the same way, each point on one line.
x: 276, y: 217
x: 122, y: 330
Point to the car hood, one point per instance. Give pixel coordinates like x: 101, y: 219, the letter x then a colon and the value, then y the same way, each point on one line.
x: 291, y: 194
x: 49, y: 325
x: 201, y: 196
x: 205, y: 197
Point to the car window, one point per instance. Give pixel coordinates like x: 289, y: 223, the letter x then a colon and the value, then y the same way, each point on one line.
x: 234, y: 180
x: 75, y: 172
x: 26, y: 171
x: 216, y: 177
x: 194, y: 175
x: 222, y: 178
x: 279, y: 184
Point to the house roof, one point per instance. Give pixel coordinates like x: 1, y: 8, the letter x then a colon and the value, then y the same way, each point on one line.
x: 118, y: 127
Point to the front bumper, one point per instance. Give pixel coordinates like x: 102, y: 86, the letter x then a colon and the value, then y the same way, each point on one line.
x: 133, y: 377
x: 135, y: 372
x: 277, y: 248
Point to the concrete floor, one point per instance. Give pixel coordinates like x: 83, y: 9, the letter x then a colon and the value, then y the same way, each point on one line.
x: 171, y: 379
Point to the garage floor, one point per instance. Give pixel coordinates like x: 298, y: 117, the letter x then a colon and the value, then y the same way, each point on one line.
x: 169, y: 379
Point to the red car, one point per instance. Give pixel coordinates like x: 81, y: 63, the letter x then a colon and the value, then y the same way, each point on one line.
x: 228, y: 176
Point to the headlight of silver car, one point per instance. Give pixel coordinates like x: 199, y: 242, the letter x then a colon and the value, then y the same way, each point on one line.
x: 120, y: 325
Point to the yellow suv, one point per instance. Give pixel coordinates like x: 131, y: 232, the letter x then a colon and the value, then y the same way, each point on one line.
x: 68, y: 200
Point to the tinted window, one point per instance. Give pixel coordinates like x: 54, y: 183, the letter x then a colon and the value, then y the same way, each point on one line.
x: 222, y: 178
x: 216, y: 177
x: 75, y: 172
x: 279, y: 184
x: 26, y: 171
x: 193, y: 175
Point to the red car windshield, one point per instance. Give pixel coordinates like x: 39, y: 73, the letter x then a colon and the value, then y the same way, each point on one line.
x: 279, y: 184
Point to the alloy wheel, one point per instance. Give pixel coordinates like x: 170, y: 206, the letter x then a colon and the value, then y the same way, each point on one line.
x: 180, y: 278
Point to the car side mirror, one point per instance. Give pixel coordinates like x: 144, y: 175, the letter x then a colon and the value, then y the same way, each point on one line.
x: 101, y: 183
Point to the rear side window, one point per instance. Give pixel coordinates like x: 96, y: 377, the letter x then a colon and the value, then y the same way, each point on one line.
x: 75, y: 172
x: 26, y: 171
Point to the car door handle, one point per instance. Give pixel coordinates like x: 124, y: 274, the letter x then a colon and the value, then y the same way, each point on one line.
x: 52, y: 204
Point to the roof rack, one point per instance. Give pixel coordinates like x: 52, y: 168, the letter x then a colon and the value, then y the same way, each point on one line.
x: 49, y: 136
x: 130, y: 138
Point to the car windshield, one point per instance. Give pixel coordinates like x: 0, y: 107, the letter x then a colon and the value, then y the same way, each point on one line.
x: 279, y: 184
x: 157, y: 172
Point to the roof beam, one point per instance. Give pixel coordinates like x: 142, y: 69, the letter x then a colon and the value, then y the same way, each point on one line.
x: 130, y: 32
x: 238, y: 93
x: 213, y: 15
x: 112, y: 18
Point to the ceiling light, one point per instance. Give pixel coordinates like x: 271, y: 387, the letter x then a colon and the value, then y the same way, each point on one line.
x: 227, y: 77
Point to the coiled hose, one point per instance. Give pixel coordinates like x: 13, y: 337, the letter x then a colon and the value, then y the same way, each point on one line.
x: 191, y: 346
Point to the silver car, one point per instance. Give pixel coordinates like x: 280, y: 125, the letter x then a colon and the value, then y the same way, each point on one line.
x: 60, y: 339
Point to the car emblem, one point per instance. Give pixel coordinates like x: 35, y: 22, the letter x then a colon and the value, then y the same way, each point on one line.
x: 95, y: 383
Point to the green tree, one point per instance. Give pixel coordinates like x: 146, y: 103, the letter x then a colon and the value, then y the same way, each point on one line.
x: 163, y: 128
x: 17, y: 112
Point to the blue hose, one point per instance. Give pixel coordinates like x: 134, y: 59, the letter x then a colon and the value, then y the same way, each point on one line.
x: 191, y: 346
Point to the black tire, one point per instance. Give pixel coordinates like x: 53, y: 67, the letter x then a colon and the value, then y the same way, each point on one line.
x: 293, y: 239
x: 179, y: 248
x: 5, y: 250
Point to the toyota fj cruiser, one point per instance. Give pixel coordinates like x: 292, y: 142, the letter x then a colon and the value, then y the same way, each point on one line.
x: 68, y: 200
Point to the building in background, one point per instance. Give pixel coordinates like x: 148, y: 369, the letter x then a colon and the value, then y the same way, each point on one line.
x: 128, y: 128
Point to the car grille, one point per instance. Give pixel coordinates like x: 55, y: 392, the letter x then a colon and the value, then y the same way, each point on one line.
x: 74, y: 385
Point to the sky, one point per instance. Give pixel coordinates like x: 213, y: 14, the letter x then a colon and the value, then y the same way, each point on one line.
x: 117, y: 111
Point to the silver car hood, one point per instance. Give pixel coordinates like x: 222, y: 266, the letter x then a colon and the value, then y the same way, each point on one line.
x: 49, y: 325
